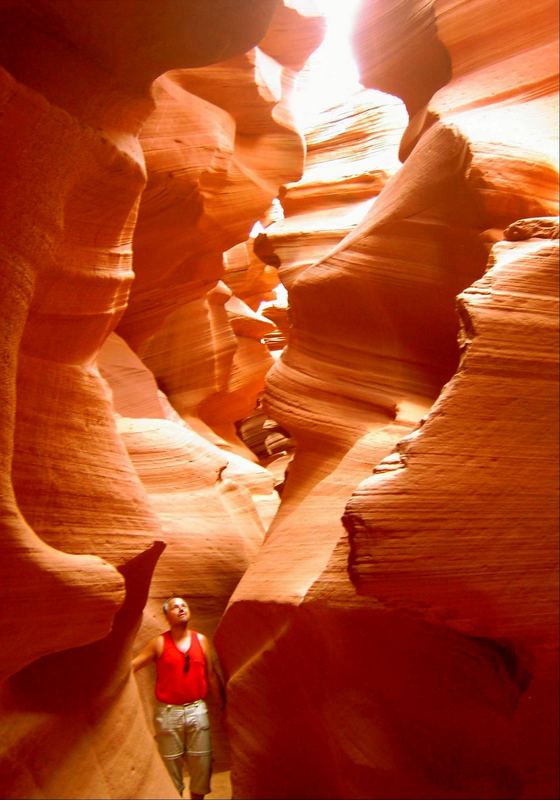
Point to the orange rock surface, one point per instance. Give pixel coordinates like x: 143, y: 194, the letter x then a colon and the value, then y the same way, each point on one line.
x: 387, y: 624
x: 81, y: 531
x: 459, y: 528
x: 414, y: 655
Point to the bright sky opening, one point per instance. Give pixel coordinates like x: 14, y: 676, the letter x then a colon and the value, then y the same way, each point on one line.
x: 328, y: 78
x: 330, y: 74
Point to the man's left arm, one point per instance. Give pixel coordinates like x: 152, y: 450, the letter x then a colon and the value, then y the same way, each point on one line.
x: 214, y: 679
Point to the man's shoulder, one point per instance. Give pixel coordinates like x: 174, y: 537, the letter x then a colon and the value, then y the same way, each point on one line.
x: 202, y: 642
x: 158, y: 642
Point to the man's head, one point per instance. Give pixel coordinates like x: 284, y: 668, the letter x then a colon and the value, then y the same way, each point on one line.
x: 176, y: 610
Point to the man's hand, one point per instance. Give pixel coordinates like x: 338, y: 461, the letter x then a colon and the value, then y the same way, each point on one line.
x: 147, y: 654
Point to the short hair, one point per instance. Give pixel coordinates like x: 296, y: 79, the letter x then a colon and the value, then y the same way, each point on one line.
x: 165, y: 605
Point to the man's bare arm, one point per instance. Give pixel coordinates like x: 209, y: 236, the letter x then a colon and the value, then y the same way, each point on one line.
x: 214, y: 680
x: 147, y: 654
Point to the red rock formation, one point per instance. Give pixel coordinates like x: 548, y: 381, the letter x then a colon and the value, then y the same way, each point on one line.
x: 213, y: 505
x: 400, y: 52
x: 295, y: 31
x: 194, y: 486
x: 351, y: 153
x: 248, y: 276
x: 81, y: 534
x: 220, y: 376
x: 216, y: 157
x: 421, y: 686
x: 458, y: 530
x: 414, y: 659
x: 89, y: 591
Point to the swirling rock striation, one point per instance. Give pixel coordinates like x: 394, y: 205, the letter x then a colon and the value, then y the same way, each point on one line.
x: 458, y: 529
x: 427, y: 676
x: 81, y: 534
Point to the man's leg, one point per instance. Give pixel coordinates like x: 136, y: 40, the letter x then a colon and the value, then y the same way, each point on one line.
x: 175, y: 769
x: 198, y: 750
x: 168, y: 723
x: 200, y: 769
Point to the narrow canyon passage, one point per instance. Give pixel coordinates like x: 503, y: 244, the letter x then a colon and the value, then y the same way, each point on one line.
x: 280, y: 335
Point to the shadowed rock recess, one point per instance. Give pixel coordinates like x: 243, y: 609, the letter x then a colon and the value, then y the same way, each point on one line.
x: 356, y: 489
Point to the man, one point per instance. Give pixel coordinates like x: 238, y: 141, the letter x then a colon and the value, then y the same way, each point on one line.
x: 184, y: 672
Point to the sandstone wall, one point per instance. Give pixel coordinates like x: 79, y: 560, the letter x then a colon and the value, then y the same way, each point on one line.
x: 95, y: 480
x: 409, y: 652
x: 391, y: 634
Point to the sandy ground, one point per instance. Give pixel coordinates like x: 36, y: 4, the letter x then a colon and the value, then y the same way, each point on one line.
x: 221, y: 786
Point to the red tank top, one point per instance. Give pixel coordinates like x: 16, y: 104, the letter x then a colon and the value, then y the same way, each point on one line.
x: 173, y: 684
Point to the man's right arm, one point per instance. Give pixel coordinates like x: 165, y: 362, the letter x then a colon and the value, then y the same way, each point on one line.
x: 147, y: 654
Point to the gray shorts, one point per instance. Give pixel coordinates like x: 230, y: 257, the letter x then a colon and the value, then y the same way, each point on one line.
x: 184, y: 731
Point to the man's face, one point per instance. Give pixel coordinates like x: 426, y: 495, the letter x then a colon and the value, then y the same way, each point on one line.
x: 178, y: 610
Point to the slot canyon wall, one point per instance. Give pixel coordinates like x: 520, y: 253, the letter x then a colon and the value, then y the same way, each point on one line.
x: 386, y: 616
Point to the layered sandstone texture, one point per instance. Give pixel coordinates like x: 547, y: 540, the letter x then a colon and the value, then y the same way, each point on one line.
x: 123, y: 177
x: 400, y: 627
x: 458, y: 528
x: 387, y: 634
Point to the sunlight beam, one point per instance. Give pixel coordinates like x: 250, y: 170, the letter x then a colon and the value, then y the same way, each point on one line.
x: 331, y: 73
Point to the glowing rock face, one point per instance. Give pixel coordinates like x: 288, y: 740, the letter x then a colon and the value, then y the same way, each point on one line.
x: 392, y: 633
x: 81, y: 535
x: 459, y: 529
x: 412, y: 652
